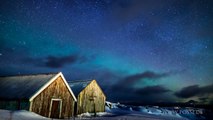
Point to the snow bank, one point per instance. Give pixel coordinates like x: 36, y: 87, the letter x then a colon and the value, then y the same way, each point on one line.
x: 117, y: 108
x: 99, y: 114
x: 20, y: 115
x: 112, y: 105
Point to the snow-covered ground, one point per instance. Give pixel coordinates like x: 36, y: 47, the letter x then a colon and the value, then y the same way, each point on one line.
x: 20, y: 115
x: 117, y: 111
x: 160, y: 112
x: 141, y: 112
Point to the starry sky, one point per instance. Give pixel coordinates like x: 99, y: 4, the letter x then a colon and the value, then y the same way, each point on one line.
x: 144, y: 51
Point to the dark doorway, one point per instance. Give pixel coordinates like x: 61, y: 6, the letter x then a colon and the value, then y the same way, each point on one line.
x: 55, y: 110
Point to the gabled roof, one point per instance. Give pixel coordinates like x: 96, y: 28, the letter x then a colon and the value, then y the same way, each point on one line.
x: 78, y: 85
x: 22, y: 86
x: 27, y: 86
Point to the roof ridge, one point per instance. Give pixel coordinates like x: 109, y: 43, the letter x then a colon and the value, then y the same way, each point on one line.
x: 34, y: 74
x: 75, y: 81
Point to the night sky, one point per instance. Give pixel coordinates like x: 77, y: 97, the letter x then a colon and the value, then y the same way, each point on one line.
x: 143, y: 51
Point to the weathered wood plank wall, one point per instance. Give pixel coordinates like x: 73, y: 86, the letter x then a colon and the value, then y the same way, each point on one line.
x: 56, y: 90
x: 91, y: 99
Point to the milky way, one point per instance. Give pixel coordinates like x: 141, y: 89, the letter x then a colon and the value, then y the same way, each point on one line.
x: 139, y: 51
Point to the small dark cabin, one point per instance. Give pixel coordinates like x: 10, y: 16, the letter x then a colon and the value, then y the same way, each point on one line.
x: 90, y: 97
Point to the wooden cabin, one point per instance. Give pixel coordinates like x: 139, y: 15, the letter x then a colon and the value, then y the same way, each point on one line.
x: 46, y: 94
x: 90, y: 97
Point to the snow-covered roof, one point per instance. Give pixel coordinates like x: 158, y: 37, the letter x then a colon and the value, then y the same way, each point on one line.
x: 23, y: 86
x: 28, y: 86
x: 78, y: 85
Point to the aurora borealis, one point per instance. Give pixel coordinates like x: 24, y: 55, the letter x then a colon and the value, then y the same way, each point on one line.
x: 138, y: 50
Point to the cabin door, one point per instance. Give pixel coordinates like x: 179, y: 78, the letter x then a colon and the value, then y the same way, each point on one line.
x: 55, y: 108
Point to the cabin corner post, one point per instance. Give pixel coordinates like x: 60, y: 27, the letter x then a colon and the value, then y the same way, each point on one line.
x: 73, y: 109
x: 31, y: 104
x: 104, y: 104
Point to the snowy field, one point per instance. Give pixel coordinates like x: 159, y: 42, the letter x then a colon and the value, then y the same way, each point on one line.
x: 25, y: 115
x: 116, y: 111
x: 20, y: 115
